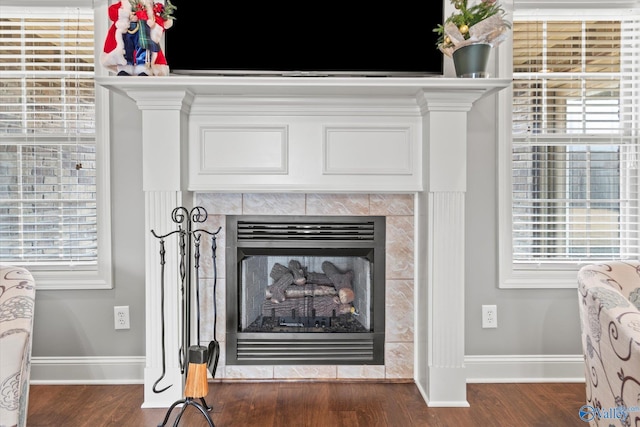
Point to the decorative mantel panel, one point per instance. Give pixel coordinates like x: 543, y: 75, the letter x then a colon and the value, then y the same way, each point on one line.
x: 310, y: 143
x: 323, y: 135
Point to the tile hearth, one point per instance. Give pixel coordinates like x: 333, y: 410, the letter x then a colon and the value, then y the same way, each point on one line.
x: 399, y: 339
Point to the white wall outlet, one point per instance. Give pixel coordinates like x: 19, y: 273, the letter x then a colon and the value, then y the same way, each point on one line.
x: 489, y: 316
x: 121, y: 317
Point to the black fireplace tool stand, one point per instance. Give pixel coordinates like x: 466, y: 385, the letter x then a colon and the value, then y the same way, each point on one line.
x: 196, y: 387
x: 194, y: 363
x: 188, y: 401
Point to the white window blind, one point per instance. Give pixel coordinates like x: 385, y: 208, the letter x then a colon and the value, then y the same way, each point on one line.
x: 575, y: 139
x: 47, y: 138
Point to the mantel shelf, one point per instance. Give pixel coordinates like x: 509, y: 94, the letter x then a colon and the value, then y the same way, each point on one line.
x: 305, y: 86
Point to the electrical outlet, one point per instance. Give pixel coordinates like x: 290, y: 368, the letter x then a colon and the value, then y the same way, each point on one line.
x: 121, y: 317
x: 489, y: 316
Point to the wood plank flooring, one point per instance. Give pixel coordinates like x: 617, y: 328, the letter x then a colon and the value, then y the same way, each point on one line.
x: 312, y: 404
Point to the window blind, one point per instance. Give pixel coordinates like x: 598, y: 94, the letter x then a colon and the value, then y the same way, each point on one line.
x: 575, y: 139
x: 47, y: 137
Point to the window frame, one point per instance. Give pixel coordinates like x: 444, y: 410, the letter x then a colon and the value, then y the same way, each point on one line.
x: 540, y: 276
x: 67, y: 277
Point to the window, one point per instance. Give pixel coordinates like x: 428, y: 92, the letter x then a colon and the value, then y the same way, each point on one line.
x: 53, y: 214
x: 574, y: 144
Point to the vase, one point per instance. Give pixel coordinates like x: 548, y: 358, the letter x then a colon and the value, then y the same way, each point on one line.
x: 471, y: 61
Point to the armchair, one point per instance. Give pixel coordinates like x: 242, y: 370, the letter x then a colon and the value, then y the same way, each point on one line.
x: 17, y: 298
x: 609, y: 297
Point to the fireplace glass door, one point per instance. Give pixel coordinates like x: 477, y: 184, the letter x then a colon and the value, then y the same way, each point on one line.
x: 305, y: 294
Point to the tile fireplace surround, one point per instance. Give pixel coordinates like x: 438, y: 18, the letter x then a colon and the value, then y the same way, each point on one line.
x: 313, y: 146
x: 398, y: 210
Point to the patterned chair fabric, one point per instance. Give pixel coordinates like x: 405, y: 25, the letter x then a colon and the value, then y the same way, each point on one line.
x: 17, y: 298
x: 609, y: 297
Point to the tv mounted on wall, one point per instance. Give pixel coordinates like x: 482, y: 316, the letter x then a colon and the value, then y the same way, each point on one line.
x: 306, y: 39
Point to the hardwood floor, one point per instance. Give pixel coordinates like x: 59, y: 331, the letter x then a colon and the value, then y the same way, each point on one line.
x: 312, y: 404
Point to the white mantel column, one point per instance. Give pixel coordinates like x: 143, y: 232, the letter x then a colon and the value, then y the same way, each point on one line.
x: 440, y: 371
x: 164, y: 136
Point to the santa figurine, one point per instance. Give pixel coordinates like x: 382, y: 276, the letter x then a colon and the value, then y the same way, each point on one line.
x: 132, y: 45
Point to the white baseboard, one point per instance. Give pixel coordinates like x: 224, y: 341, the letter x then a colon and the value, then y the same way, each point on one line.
x: 479, y: 369
x: 524, y: 368
x: 87, y: 370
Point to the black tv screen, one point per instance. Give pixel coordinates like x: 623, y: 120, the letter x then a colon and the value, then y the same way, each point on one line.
x: 305, y: 38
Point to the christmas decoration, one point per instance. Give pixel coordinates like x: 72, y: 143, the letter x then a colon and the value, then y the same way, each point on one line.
x: 132, y: 44
x: 483, y: 22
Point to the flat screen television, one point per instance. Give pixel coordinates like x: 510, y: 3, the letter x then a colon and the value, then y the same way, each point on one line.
x: 306, y: 39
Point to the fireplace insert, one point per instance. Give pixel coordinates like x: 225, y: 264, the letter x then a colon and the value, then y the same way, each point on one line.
x: 305, y: 289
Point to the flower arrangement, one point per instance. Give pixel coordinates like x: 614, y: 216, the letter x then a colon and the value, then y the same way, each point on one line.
x: 483, y: 22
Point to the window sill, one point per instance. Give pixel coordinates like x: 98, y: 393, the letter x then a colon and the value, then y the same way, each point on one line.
x: 539, y: 278
x: 72, y: 280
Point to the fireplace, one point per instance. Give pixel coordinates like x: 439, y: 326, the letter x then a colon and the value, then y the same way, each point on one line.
x: 305, y: 289
x: 256, y: 135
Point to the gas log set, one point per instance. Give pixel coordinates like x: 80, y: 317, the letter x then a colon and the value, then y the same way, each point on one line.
x: 298, y: 298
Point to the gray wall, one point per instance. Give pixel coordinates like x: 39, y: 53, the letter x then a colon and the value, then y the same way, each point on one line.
x: 530, y: 322
x: 80, y: 323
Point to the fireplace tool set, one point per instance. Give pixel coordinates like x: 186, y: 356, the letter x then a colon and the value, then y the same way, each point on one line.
x: 194, y: 359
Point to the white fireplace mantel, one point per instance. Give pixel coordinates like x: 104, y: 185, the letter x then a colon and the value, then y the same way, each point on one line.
x: 307, y: 86
x: 417, y: 128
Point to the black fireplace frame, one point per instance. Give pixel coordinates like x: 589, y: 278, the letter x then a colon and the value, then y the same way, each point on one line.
x: 248, y: 235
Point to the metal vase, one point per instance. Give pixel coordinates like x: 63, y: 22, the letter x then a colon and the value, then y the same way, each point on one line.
x: 471, y: 61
